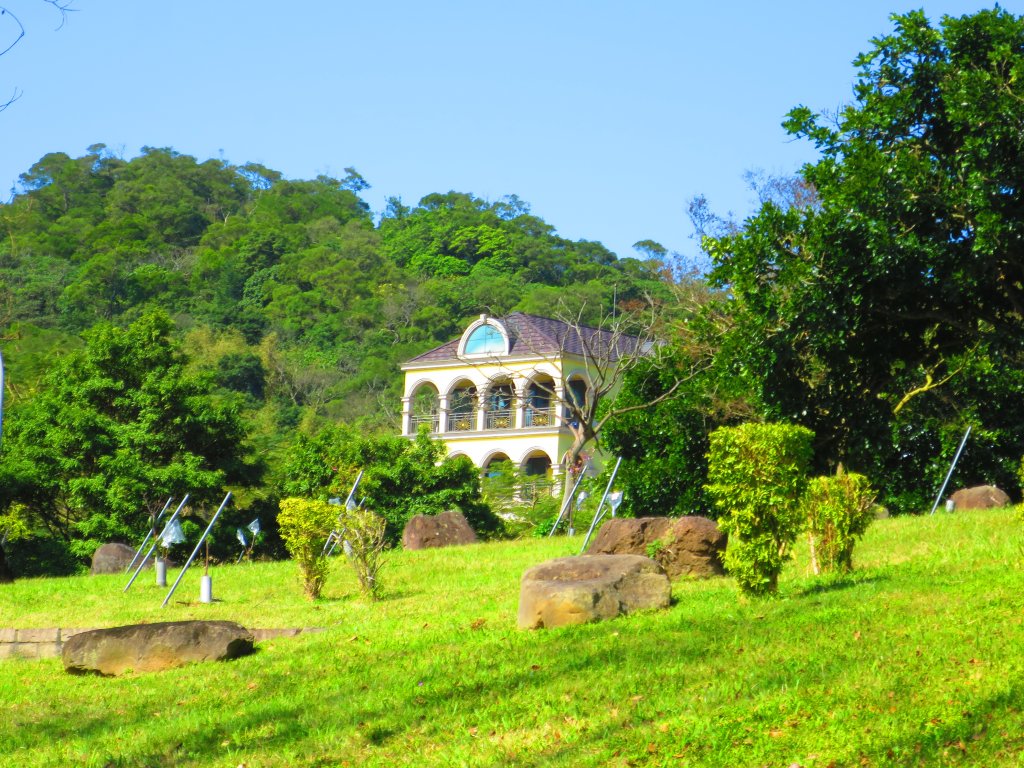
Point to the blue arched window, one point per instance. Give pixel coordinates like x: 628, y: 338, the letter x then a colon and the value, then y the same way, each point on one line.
x: 485, y: 340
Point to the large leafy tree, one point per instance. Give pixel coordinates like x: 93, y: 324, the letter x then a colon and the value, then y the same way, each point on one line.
x: 887, y: 313
x: 116, y: 428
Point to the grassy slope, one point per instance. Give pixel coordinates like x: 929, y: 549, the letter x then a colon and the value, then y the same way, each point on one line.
x: 916, y: 659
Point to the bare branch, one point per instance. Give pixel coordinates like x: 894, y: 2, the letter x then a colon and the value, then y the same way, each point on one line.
x: 14, y: 97
x: 63, y: 7
x: 4, y: 12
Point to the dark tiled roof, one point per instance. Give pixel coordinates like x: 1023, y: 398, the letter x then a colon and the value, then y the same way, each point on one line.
x: 535, y: 335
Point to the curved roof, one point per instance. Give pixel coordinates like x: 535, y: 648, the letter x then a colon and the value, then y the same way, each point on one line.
x: 543, y: 336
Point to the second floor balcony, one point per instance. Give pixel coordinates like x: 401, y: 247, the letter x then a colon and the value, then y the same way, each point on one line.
x: 476, y: 420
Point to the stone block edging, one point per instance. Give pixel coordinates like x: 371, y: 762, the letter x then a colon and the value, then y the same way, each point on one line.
x: 47, y: 643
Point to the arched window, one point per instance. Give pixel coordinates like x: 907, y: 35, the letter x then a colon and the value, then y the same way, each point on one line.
x: 485, y: 340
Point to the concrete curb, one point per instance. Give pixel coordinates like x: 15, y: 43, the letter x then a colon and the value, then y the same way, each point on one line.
x: 48, y: 643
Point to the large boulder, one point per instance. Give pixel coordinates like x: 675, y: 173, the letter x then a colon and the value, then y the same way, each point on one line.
x: 113, y: 558
x: 683, y: 546
x: 980, y: 497
x: 577, y: 590
x: 153, y: 647
x: 444, y: 530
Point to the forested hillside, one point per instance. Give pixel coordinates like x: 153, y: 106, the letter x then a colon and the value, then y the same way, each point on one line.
x: 287, y: 289
x: 281, y: 302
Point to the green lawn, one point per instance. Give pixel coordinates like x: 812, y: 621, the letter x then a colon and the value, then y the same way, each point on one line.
x: 916, y: 659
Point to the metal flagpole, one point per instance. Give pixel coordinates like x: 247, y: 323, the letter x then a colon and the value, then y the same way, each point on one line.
x: 157, y: 541
x: 567, y: 504
x: 149, y: 533
x: 196, y: 550
x: 951, y: 468
x: 599, y: 513
x: 335, y: 536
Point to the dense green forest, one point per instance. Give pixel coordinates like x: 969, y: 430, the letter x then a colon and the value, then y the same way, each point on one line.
x: 281, y: 303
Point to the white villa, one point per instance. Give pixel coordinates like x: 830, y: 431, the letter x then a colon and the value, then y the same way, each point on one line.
x: 498, y: 392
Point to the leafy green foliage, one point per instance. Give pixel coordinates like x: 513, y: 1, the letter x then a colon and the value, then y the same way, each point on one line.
x: 839, y: 508
x: 365, y: 535
x: 295, y: 308
x: 756, y: 477
x: 305, y: 525
x: 117, y: 428
x: 663, y: 446
x: 401, y: 478
x: 884, y: 310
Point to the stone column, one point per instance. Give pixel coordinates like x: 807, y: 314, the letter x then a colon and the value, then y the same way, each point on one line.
x: 481, y: 414
x: 519, y: 418
x: 407, y: 416
x: 442, y: 414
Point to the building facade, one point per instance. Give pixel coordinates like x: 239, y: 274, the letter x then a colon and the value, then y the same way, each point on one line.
x: 499, y: 392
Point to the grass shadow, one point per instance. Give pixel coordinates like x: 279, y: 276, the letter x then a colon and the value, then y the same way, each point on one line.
x: 837, y: 583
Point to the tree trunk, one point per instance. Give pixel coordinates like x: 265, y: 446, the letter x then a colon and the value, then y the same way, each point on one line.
x: 6, y: 576
x: 574, y: 457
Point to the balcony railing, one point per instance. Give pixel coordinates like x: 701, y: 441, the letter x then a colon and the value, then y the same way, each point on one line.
x: 503, y: 419
x: 539, y: 417
x: 535, y: 488
x: 494, y: 421
x: 461, y: 422
x: 432, y: 420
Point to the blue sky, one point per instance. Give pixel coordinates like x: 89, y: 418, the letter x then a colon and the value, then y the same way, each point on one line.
x: 607, y: 117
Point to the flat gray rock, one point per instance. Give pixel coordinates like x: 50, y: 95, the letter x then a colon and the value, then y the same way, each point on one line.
x: 577, y: 590
x: 153, y: 647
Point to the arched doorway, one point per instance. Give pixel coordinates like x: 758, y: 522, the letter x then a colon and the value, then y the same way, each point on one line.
x: 535, y: 476
x: 540, y: 394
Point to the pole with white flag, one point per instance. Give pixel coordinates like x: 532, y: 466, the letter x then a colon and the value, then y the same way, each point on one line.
x: 150, y: 532
x: 157, y: 541
x: 196, y: 550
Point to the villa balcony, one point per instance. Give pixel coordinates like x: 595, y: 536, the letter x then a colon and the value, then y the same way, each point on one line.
x: 433, y: 421
x: 539, y: 417
x: 503, y: 419
x: 498, y: 420
x: 461, y: 422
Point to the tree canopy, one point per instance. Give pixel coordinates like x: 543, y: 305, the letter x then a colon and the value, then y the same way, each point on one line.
x: 117, y: 428
x: 886, y: 312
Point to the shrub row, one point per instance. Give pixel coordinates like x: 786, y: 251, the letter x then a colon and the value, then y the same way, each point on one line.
x: 758, y: 483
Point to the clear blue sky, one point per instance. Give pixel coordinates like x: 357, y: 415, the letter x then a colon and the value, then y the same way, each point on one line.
x: 607, y: 117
